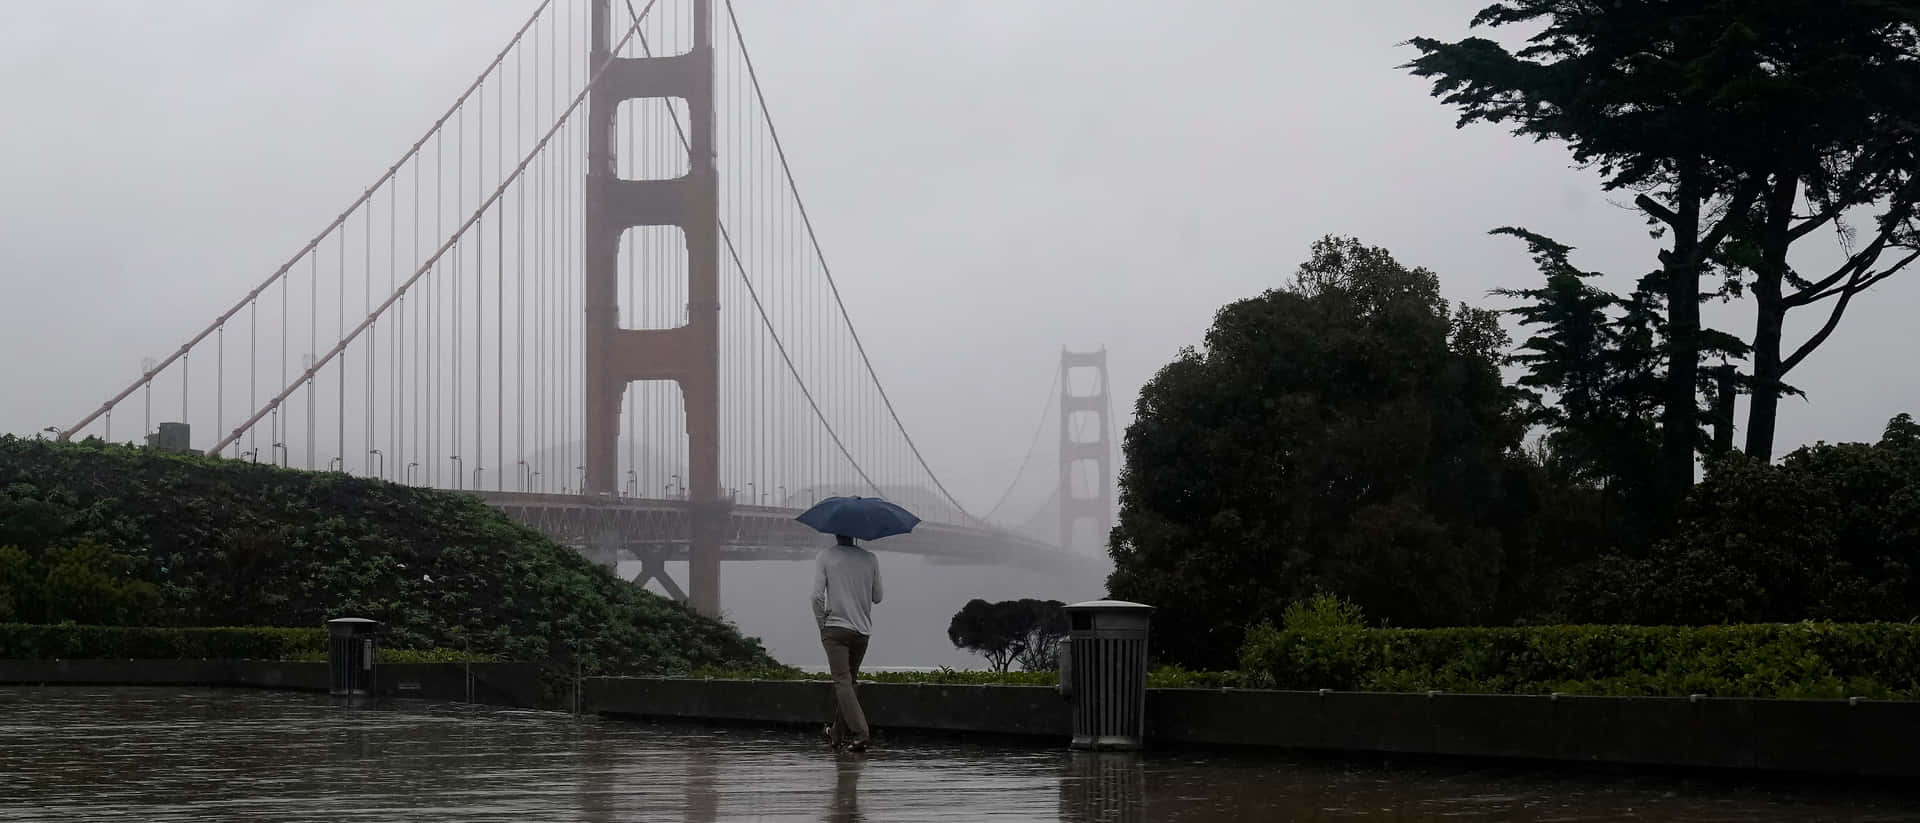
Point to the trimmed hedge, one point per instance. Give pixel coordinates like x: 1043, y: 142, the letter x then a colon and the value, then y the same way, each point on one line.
x: 22, y: 641
x: 945, y: 677
x: 1796, y: 660
x: 1169, y: 677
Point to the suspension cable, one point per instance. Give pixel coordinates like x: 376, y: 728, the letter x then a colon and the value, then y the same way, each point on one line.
x: 834, y: 287
x: 478, y: 213
x: 311, y: 245
x: 1032, y: 446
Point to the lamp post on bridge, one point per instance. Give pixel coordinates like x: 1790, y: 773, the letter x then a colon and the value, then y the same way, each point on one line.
x: 251, y: 455
x: 633, y: 483
x: 411, y: 465
x: 530, y: 478
x: 383, y: 462
x: 282, y: 448
x: 457, y: 467
x: 750, y: 493
x: 583, y: 478
x: 526, y: 477
x: 476, y: 476
x: 341, y: 461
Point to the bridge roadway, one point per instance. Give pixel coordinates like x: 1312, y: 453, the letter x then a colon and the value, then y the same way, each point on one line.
x: 609, y: 529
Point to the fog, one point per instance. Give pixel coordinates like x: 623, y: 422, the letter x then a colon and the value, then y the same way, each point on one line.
x: 992, y: 180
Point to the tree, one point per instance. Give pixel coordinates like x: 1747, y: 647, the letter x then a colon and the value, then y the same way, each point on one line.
x: 1627, y: 87
x: 1592, y: 379
x: 1024, y: 631
x: 1046, y: 628
x: 1348, y: 433
x: 1830, y: 92
x: 1721, y: 117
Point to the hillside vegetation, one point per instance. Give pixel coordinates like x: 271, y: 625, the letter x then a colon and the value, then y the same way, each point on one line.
x: 113, y: 535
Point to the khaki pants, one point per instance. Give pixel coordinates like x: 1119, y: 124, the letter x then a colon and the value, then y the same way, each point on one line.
x: 845, y: 649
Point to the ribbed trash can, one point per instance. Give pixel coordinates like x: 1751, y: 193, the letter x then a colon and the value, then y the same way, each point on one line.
x: 351, y: 643
x: 1107, y: 670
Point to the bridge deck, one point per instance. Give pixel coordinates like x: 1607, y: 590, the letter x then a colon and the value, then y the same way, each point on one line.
x: 647, y: 528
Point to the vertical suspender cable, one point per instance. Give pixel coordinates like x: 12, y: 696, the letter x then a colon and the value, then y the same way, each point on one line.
x: 500, y: 466
x: 459, y: 306
x: 313, y: 345
x: 220, y: 379
x: 396, y: 341
x: 373, y: 339
x: 435, y: 347
x: 479, y: 295
x: 520, y: 273
x: 340, y: 307
x: 253, y: 373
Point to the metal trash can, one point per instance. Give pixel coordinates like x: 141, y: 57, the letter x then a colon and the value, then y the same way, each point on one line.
x: 1106, y: 672
x: 350, y: 656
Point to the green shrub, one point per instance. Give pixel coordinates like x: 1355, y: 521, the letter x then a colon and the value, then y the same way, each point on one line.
x: 1321, y: 612
x: 1797, y: 660
x: 22, y: 641
x: 1175, y: 677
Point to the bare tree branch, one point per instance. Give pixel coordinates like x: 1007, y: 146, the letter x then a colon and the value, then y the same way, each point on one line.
x: 1859, y: 283
x: 1859, y: 262
x: 1813, y: 222
x: 1659, y: 212
x: 1833, y: 321
x: 1869, y: 281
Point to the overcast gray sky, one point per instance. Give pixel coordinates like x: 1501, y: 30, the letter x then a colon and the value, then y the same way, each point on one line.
x: 992, y: 179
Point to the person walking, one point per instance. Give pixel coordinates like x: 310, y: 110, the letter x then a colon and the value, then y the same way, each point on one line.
x: 846, y: 586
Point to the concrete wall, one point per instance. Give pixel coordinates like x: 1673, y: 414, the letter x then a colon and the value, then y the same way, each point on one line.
x: 1820, y: 736
x: 499, y: 684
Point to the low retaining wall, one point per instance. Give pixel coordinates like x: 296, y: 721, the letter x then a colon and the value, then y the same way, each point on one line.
x: 497, y: 684
x: 1036, y: 711
x: 1813, y: 736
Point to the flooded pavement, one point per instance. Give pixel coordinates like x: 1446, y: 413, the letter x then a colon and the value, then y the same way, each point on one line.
x: 70, y: 754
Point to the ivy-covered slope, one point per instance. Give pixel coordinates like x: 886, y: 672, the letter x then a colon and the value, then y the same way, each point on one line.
x: 109, y: 534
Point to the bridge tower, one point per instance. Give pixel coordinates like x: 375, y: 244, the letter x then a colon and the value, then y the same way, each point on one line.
x: 1089, y: 452
x: 688, y: 354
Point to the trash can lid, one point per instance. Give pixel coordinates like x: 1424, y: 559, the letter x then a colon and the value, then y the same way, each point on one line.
x: 1109, y: 606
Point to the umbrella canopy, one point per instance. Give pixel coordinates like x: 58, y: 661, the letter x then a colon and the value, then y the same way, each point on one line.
x: 861, y: 518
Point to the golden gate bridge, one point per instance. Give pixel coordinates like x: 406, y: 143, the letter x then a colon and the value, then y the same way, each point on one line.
x: 556, y: 299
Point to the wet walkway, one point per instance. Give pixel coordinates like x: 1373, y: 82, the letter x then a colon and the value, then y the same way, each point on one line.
x: 70, y: 754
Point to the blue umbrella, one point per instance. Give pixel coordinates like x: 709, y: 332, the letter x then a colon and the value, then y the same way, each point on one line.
x: 861, y: 518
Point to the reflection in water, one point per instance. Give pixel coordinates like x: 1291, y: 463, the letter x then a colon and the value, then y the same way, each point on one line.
x: 846, y: 790
x: 1104, y: 787
x: 199, y: 754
